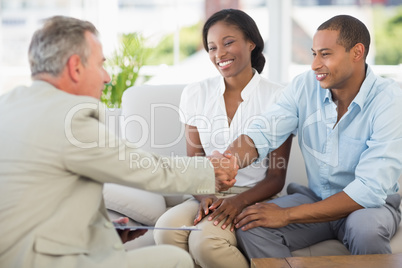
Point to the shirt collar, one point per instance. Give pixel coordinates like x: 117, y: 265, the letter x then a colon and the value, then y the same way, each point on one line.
x: 365, y: 88
x: 363, y: 93
x: 221, y: 86
x: 251, y: 86
x: 248, y: 90
x: 327, y: 96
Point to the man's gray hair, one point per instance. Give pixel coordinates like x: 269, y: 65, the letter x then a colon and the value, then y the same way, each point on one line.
x: 58, y: 39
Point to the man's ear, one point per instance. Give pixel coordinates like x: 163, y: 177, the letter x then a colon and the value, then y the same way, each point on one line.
x: 74, y: 66
x: 358, y: 52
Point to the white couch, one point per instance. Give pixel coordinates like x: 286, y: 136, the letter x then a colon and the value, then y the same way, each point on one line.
x: 150, y: 118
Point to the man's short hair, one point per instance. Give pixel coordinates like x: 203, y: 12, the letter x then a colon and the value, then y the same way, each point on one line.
x: 351, y: 31
x: 58, y: 39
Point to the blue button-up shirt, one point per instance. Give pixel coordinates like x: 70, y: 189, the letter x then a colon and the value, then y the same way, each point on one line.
x: 361, y: 155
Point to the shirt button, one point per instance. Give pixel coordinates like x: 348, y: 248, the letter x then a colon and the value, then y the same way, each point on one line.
x: 108, y: 224
x: 118, y: 246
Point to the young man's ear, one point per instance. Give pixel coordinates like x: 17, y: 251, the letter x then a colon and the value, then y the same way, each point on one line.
x: 74, y: 66
x: 358, y: 52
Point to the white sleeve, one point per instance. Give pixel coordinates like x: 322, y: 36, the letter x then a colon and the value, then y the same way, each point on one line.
x: 189, y: 103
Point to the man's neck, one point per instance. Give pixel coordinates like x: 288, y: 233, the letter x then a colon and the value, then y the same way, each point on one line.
x: 57, y: 81
x: 344, y: 96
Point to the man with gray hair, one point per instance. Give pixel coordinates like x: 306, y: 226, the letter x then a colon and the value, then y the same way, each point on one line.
x: 57, y: 153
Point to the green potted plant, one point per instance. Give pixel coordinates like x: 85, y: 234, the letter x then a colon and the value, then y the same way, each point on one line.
x: 124, y: 66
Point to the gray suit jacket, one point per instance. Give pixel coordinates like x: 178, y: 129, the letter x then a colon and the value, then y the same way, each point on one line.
x: 55, y: 156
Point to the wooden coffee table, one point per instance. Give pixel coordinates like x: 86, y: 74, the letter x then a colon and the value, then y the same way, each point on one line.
x: 353, y: 261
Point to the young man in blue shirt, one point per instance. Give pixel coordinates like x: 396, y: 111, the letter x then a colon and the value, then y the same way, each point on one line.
x: 350, y: 134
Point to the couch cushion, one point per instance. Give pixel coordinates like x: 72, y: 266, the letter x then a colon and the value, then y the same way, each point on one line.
x: 325, y: 248
x: 173, y: 200
x: 141, y: 206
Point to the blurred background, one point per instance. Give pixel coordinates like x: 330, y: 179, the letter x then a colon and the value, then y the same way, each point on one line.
x: 165, y: 35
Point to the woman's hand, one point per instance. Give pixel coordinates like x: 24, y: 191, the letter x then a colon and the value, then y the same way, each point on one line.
x: 226, y: 209
x: 203, y: 209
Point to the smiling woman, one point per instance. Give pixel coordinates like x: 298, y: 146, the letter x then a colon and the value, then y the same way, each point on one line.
x: 229, y: 49
x: 215, y: 112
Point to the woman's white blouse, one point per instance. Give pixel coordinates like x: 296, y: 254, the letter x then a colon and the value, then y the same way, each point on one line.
x: 202, y: 105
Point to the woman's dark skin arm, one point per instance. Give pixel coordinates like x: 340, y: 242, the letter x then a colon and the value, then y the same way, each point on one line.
x: 193, y: 142
x: 228, y: 208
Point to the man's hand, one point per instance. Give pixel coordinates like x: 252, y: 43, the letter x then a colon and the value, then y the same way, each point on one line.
x: 128, y: 235
x: 270, y: 215
x: 225, y: 170
x: 262, y: 214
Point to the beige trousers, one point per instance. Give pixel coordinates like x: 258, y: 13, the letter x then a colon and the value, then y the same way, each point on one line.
x: 212, y: 247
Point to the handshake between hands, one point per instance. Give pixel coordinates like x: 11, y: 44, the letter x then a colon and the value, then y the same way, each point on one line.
x: 226, y: 167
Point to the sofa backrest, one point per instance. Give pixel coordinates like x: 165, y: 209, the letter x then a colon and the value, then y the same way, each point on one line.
x: 150, y: 118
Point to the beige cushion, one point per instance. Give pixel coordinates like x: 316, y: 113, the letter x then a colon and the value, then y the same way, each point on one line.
x: 142, y: 206
x: 325, y: 248
x: 173, y: 200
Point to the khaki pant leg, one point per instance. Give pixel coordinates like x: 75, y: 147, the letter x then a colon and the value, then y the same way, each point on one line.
x: 159, y: 256
x: 214, y: 247
x: 177, y: 216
